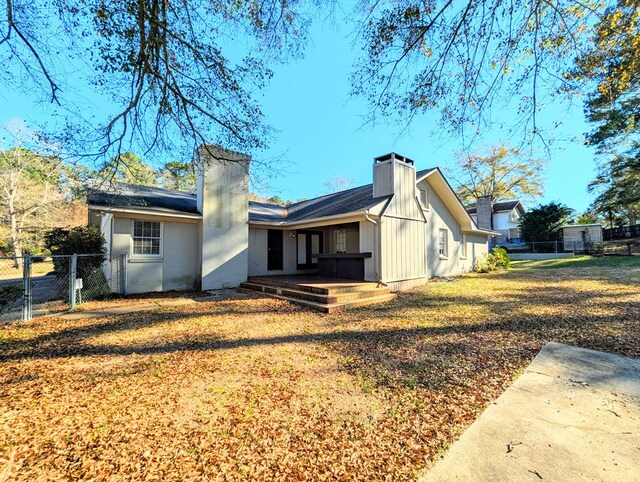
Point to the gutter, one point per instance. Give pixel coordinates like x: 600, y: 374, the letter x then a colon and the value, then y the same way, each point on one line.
x: 482, y: 232
x: 284, y: 224
x: 145, y: 212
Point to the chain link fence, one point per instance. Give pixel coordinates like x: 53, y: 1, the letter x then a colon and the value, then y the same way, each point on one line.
x: 33, y: 285
x: 578, y: 247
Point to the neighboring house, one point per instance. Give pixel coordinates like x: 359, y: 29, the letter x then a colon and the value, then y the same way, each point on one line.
x: 503, y: 217
x: 580, y: 237
x: 401, y: 230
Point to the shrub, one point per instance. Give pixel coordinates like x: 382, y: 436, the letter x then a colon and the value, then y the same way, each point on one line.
x: 9, y: 294
x: 498, y: 259
x: 502, y: 258
x: 79, y: 240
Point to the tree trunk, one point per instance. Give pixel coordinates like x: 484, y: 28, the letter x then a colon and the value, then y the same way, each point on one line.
x: 15, y: 236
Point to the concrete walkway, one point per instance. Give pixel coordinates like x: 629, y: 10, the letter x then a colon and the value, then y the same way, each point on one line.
x: 573, y: 415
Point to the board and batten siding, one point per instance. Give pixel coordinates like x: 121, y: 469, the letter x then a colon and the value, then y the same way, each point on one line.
x: 368, y: 233
x: 574, y: 237
x: 402, y: 246
x: 439, y: 217
x: 178, y: 266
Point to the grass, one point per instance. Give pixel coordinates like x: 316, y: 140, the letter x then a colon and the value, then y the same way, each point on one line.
x: 579, y: 262
x: 8, y: 271
x: 258, y: 389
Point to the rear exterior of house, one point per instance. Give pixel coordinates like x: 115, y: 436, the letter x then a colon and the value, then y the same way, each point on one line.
x: 402, y: 229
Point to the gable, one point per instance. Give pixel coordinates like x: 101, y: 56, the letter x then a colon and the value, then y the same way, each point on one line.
x: 439, y: 186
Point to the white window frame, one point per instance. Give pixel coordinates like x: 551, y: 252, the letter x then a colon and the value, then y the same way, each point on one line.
x: 141, y: 256
x: 340, y: 239
x: 463, y: 247
x: 443, y: 244
x: 424, y: 202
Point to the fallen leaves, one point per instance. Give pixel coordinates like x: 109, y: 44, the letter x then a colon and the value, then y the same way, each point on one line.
x: 258, y: 389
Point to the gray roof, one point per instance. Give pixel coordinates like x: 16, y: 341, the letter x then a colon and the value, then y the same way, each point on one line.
x: 119, y: 194
x: 500, y: 207
x: 123, y: 195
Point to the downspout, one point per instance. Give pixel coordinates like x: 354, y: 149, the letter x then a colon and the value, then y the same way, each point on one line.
x: 376, y: 245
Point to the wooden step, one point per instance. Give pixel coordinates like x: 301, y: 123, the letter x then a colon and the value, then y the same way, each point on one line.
x: 327, y: 303
x: 321, y: 288
x: 336, y: 307
x: 320, y: 298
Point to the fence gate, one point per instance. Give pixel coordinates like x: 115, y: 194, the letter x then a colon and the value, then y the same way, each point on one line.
x: 32, y: 285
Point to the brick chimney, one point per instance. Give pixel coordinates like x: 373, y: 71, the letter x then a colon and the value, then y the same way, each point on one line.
x: 484, y: 212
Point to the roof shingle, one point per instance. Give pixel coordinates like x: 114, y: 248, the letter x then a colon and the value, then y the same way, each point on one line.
x: 133, y: 196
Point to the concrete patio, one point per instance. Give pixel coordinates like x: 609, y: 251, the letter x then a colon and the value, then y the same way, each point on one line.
x: 573, y: 415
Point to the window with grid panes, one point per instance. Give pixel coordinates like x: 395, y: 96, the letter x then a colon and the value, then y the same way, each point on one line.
x: 146, y: 238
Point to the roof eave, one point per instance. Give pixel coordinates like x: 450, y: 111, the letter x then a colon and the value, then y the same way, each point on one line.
x: 316, y: 221
x: 145, y: 212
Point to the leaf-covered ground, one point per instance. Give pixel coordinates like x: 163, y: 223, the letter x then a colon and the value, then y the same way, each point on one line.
x: 257, y: 389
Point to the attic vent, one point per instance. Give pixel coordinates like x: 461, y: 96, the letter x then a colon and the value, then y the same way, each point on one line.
x: 393, y: 155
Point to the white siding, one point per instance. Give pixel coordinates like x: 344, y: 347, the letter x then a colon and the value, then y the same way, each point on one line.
x: 439, y: 217
x: 575, y: 236
x: 402, y: 246
x: 176, y: 269
x: 225, y: 232
x: 181, y: 263
x: 257, y: 252
x: 368, y: 233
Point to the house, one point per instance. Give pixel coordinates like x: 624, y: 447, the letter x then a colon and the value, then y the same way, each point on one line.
x: 581, y: 237
x: 503, y: 217
x: 402, y: 229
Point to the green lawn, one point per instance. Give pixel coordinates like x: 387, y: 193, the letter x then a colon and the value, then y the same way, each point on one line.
x: 579, y: 262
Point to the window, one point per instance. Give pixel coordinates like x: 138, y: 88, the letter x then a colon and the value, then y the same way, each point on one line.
x: 424, y: 198
x: 341, y: 241
x: 443, y: 244
x: 463, y: 246
x: 146, y: 238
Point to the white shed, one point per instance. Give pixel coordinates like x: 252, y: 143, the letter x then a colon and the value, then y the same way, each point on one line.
x: 578, y: 237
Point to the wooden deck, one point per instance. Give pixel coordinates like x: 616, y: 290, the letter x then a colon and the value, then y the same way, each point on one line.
x: 320, y: 293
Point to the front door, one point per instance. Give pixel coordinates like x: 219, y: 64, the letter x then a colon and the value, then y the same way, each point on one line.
x: 309, y: 246
x: 274, y: 249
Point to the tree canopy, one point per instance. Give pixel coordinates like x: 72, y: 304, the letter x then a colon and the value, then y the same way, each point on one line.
x: 34, y: 196
x: 178, y: 74
x: 544, y: 222
x: 180, y: 176
x: 129, y: 168
x: 502, y: 173
x: 185, y: 73
x: 613, y: 65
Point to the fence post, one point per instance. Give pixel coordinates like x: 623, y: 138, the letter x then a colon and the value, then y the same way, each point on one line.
x: 556, y: 246
x: 26, y: 288
x: 73, y: 260
x: 124, y: 272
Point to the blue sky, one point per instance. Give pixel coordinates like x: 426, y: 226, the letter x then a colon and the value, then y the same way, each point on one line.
x: 320, y: 131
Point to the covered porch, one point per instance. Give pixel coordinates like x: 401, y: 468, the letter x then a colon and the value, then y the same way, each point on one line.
x: 331, y: 250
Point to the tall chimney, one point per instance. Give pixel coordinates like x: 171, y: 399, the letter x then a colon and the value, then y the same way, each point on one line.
x: 223, y: 201
x: 484, y: 210
x: 394, y: 174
